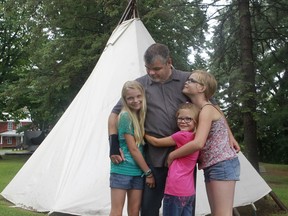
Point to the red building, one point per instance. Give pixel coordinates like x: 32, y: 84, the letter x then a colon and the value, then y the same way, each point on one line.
x: 9, y: 138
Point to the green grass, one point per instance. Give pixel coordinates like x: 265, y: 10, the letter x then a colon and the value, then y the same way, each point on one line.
x: 276, y: 176
x: 9, y: 166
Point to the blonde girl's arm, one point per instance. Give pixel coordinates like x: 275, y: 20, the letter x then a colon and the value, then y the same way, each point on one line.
x: 135, y: 152
x: 138, y: 157
x: 205, y: 120
x: 160, y: 142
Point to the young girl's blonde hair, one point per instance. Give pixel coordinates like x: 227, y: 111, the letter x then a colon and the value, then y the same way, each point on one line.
x: 194, y: 110
x: 138, y: 118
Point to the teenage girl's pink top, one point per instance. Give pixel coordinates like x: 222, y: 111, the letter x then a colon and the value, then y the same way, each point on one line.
x: 217, y: 147
x: 180, y: 178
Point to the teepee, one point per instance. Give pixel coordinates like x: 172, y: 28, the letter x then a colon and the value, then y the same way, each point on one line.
x: 69, y: 172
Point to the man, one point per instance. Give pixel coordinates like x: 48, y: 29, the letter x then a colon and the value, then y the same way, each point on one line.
x: 163, y: 86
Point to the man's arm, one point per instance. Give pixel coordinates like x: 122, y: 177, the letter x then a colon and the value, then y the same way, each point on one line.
x: 116, y: 155
x: 112, y: 123
x: 232, y: 140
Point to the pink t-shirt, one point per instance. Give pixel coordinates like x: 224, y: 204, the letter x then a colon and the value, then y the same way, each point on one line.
x: 180, y: 178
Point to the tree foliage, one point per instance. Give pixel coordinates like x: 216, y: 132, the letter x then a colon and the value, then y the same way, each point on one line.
x: 178, y: 24
x: 269, y: 37
x: 66, y: 38
x: 15, y: 35
x: 49, y: 48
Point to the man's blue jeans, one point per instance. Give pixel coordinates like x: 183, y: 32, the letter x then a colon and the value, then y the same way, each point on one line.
x: 178, y: 205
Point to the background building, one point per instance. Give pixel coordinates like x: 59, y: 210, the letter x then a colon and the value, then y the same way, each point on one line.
x: 9, y: 137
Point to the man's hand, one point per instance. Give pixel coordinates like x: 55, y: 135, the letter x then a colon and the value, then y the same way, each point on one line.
x: 116, y: 153
x: 234, y: 143
x: 116, y: 159
x: 150, y: 181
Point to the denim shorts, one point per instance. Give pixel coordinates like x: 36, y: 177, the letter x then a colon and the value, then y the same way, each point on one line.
x: 178, y: 205
x: 126, y: 182
x: 228, y: 170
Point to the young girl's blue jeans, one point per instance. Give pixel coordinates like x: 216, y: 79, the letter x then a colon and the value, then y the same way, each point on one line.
x: 178, y: 205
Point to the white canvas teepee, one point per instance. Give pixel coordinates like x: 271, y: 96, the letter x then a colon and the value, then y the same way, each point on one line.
x: 69, y: 172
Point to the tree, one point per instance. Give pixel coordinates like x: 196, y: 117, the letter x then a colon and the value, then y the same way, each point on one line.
x: 14, y: 36
x: 179, y: 24
x: 270, y: 21
x: 249, y: 90
x: 269, y: 43
x: 68, y: 37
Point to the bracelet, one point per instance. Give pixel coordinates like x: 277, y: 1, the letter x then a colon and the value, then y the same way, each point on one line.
x: 147, y: 173
x: 149, y: 176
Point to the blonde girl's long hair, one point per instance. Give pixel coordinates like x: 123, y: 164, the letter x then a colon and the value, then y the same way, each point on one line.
x: 138, y: 118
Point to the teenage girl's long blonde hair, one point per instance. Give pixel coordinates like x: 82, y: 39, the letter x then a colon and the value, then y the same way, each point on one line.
x: 138, y: 118
x: 208, y: 80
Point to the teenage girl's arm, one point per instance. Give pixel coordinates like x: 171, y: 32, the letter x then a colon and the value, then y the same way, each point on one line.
x: 160, y: 142
x: 206, y: 116
x: 138, y: 157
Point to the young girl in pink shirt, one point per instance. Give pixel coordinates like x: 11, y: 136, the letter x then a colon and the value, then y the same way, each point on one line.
x: 179, y: 194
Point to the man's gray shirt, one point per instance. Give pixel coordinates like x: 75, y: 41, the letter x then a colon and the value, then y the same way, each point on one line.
x: 163, y: 100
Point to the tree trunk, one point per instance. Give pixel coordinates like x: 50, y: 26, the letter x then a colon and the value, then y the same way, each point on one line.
x: 249, y: 91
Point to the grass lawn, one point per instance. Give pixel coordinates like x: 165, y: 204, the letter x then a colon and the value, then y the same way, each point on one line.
x: 276, y: 176
x: 9, y: 166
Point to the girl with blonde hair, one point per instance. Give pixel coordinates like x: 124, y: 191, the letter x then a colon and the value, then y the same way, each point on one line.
x: 127, y: 178
x: 217, y: 157
x: 179, y: 193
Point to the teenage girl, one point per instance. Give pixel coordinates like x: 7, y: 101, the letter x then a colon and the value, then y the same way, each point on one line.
x: 217, y: 158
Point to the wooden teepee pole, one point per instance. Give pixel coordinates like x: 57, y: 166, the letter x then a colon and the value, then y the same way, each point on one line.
x: 278, y: 201
x: 130, y: 11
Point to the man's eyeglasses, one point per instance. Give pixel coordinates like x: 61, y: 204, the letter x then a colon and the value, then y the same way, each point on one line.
x: 191, y: 80
x: 185, y: 119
